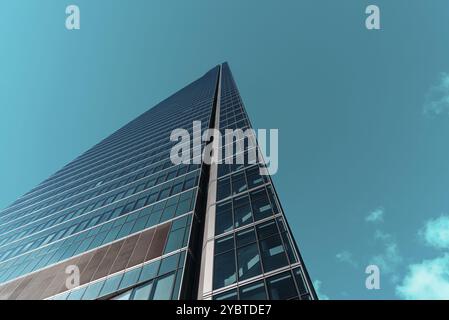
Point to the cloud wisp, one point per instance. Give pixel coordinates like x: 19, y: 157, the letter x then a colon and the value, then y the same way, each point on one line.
x: 375, y: 216
x: 437, y: 98
x: 390, y: 259
x: 346, y: 257
x: 317, y: 285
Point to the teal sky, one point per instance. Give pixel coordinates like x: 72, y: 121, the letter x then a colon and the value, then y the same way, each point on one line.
x: 363, y: 116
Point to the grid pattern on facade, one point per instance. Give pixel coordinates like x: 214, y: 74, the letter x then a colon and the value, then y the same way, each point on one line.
x: 119, y: 191
x: 254, y: 253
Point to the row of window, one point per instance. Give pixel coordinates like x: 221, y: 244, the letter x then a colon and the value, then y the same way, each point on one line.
x: 133, y: 143
x: 74, y: 226
x: 143, y: 153
x: 288, y: 285
x: 239, y: 182
x: 245, y: 209
x: 251, y: 252
x: 157, y: 278
x: 176, y: 186
x: 106, y: 233
x: 155, y: 170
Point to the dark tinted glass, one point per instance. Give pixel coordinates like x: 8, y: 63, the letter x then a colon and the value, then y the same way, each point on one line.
x: 273, y: 254
x: 253, y: 291
x: 248, y: 261
x: 281, y: 287
x: 245, y: 237
x: 224, y: 269
x: 223, y: 189
x: 224, y: 244
x: 228, y: 295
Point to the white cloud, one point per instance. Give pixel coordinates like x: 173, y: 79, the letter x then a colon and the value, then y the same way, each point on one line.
x: 426, y: 280
x: 346, y: 257
x: 389, y: 260
x: 376, y: 215
x: 437, y: 98
x: 317, y: 285
x: 436, y: 232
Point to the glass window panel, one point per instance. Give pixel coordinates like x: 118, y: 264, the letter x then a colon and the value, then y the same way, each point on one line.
x: 189, y: 183
x: 228, y: 295
x: 140, y: 203
x: 143, y: 292
x: 111, y: 285
x: 149, y: 271
x: 223, y: 169
x: 273, y: 254
x: 245, y: 237
x: 164, y: 193
x: 171, y: 201
x: 281, y: 287
x: 183, y: 207
x: 300, y: 281
x: 93, y: 291
x: 76, y: 294
x: 154, y: 219
x: 248, y: 262
x: 223, y: 189
x: 174, y: 240
x: 272, y: 199
x: 169, y: 264
x: 130, y: 278
x: 223, y: 223
x: 62, y: 296
x: 177, y: 188
x: 253, y: 177
x: 127, y: 208
x: 124, y: 296
x: 238, y: 183
x: 186, y: 195
x: 224, y: 207
x: 288, y: 247
x: 281, y: 225
x: 169, y: 212
x: 140, y: 224
x: 224, y: 244
x: 253, y: 291
x: 163, y: 287
x: 261, y: 204
x: 175, y: 295
x: 242, y: 211
x: 224, y: 270
x: 267, y: 229
x: 179, y: 223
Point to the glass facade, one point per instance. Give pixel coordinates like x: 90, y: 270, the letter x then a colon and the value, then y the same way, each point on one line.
x: 252, y: 253
x: 133, y: 223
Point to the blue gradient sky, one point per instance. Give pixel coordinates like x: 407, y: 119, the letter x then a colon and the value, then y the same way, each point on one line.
x: 363, y: 116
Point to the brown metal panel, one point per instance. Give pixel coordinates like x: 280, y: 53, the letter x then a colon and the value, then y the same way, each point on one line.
x: 40, y: 281
x: 124, y: 254
x: 36, y: 287
x: 21, y: 286
x: 106, y: 264
x: 158, y: 243
x: 92, y: 267
x: 8, y: 289
x: 141, y: 249
x: 58, y: 282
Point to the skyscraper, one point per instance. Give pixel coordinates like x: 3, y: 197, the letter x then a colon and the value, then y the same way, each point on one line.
x: 122, y: 221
